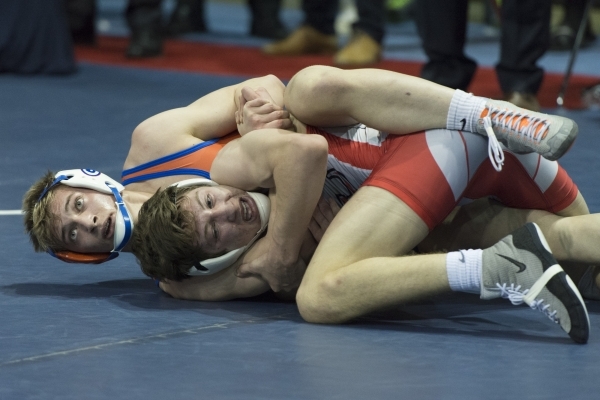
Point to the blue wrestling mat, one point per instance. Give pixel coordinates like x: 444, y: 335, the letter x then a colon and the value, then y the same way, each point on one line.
x: 74, y: 332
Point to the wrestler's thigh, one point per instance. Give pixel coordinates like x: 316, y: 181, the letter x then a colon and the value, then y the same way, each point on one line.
x: 577, y: 207
x: 374, y: 223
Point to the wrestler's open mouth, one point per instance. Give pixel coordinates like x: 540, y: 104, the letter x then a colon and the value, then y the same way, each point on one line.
x: 108, y: 228
x: 248, y: 209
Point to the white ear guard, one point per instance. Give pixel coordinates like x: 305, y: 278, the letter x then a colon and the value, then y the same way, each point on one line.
x: 95, y: 180
x: 214, y: 265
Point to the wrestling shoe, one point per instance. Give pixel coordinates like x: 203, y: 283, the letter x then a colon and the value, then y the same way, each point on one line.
x: 524, y: 131
x: 587, y: 284
x: 521, y: 268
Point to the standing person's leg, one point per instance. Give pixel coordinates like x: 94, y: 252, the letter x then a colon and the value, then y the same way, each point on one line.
x: 563, y: 36
x: 442, y: 26
x: 188, y: 16
x: 265, y: 19
x: 316, y: 35
x: 400, y: 104
x: 82, y: 20
x: 144, y: 18
x: 365, y: 45
x: 525, y: 38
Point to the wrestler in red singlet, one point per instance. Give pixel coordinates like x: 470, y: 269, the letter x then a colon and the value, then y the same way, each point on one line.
x: 431, y: 172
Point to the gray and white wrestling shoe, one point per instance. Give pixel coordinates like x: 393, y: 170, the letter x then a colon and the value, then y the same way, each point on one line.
x: 521, y: 268
x: 524, y: 131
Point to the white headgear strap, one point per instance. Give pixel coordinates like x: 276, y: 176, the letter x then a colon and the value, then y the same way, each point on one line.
x: 213, y: 265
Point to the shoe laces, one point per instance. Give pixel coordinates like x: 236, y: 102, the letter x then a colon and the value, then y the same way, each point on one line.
x: 495, y: 151
x: 516, y: 297
x: 544, y: 308
x: 512, y: 293
x: 519, y: 124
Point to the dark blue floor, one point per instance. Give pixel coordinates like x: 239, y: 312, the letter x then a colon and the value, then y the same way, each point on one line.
x: 106, y: 332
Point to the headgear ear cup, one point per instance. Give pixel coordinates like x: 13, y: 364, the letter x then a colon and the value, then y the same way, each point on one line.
x: 83, y: 258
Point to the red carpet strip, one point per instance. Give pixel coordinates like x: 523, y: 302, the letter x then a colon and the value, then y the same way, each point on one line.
x: 249, y: 61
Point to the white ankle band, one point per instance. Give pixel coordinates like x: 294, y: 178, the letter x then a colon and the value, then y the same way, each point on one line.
x: 464, y: 270
x: 464, y: 111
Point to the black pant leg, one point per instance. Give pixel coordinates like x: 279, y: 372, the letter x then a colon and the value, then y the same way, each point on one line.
x: 35, y: 37
x: 371, y: 18
x: 81, y: 15
x: 525, y: 38
x: 442, y: 27
x: 144, y: 15
x: 320, y: 14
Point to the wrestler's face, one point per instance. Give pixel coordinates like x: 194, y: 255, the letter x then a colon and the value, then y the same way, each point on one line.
x: 225, y: 218
x: 86, y: 219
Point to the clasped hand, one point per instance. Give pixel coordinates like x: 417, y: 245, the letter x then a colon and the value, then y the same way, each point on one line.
x: 256, y: 110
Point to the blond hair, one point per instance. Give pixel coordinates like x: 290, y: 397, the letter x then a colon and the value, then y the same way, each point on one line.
x: 40, y: 219
x: 163, y: 238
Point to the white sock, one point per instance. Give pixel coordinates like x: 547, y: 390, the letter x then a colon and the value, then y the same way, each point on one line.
x: 464, y: 111
x: 464, y: 270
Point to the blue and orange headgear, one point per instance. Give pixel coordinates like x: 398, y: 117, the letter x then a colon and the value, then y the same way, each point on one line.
x: 95, y: 180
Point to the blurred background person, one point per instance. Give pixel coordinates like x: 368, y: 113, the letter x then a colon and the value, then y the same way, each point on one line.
x: 525, y: 37
x: 147, y: 31
x: 35, y: 37
x: 563, y: 35
x: 317, y: 35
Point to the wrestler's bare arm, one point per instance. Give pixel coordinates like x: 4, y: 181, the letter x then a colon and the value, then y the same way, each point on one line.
x: 225, y: 285
x: 222, y: 286
x: 293, y: 165
x: 209, y: 117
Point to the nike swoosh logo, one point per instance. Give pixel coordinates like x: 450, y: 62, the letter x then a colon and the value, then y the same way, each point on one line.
x: 462, y: 257
x: 463, y: 122
x: 522, y: 267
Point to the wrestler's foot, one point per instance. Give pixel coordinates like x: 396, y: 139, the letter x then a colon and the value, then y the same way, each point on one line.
x: 524, y: 131
x: 521, y: 268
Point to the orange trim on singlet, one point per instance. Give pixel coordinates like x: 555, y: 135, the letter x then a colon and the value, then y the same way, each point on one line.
x: 188, y: 160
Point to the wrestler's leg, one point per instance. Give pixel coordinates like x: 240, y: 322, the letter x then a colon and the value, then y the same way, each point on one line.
x: 355, y: 269
x: 484, y: 222
x: 399, y: 104
x: 388, y: 101
x: 572, y: 233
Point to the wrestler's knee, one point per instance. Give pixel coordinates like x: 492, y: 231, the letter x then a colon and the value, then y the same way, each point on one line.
x: 311, y: 84
x: 321, y: 301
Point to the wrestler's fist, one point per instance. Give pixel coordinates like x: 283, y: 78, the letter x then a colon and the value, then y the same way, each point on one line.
x: 264, y: 262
